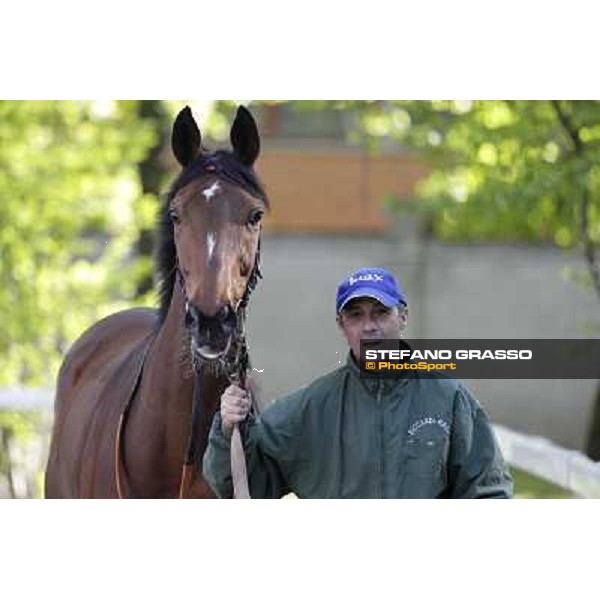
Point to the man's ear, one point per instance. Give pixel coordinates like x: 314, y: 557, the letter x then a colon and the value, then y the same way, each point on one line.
x: 339, y: 319
x: 403, y: 317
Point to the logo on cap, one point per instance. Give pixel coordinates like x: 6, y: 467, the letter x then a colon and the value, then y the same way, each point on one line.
x: 370, y: 277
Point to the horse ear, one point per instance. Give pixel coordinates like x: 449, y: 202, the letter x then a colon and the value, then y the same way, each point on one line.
x: 244, y: 136
x: 186, y: 138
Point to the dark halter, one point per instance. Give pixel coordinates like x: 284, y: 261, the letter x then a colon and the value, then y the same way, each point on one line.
x: 236, y: 365
x: 237, y: 360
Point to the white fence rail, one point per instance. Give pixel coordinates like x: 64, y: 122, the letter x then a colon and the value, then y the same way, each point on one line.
x: 569, y: 469
x: 26, y: 398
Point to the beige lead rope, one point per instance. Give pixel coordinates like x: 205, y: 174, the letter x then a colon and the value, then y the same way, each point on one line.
x: 238, y: 466
x: 239, y: 474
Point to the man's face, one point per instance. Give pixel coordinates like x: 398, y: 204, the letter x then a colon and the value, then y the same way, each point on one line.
x: 368, y: 319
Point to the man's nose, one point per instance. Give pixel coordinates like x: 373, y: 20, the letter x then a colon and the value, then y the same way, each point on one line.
x: 369, y: 324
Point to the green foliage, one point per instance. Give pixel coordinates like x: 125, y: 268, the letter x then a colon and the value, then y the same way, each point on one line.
x: 71, y: 211
x: 508, y: 170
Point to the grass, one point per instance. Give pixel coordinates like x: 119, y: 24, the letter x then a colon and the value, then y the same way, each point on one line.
x: 529, y: 486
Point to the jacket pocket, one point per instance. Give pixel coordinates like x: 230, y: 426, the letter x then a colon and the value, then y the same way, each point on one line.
x: 424, y: 466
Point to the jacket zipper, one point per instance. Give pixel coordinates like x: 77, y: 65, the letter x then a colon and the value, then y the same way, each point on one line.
x: 381, y: 444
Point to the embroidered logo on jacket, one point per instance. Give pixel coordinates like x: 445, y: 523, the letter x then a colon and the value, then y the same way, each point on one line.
x: 428, y: 421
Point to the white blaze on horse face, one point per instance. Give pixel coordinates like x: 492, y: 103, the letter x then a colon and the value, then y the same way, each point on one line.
x: 211, y: 191
x: 211, y: 240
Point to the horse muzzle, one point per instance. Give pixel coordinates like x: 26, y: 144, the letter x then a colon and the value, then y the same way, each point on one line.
x: 211, y: 336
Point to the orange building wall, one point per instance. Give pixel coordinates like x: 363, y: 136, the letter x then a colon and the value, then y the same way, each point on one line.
x: 333, y: 191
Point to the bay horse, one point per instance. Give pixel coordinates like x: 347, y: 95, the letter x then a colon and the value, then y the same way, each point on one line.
x: 137, y: 391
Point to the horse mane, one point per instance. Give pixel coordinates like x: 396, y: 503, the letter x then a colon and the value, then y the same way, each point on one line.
x: 227, y: 166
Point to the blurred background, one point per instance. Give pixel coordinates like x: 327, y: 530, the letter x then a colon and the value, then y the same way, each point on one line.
x: 487, y: 211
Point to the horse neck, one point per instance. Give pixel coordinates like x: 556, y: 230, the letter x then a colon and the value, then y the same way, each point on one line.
x: 168, y: 372
x: 162, y: 414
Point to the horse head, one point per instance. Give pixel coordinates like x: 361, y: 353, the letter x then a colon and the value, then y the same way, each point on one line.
x: 210, y: 232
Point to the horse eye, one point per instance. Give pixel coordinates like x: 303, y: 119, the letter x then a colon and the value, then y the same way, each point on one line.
x: 174, y: 217
x: 255, y: 217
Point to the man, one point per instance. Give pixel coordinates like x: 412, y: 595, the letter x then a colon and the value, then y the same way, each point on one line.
x: 344, y: 436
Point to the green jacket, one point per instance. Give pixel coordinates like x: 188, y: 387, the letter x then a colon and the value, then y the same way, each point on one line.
x: 347, y: 437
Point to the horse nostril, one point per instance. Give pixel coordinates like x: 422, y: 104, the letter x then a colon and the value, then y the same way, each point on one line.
x: 193, y: 316
x: 224, y: 313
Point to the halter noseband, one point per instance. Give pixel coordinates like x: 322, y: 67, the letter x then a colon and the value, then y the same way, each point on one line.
x: 236, y: 362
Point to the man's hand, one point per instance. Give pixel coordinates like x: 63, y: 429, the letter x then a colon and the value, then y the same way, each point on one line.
x: 235, y: 405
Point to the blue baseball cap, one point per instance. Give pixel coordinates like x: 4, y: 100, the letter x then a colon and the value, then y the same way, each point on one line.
x: 373, y: 283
